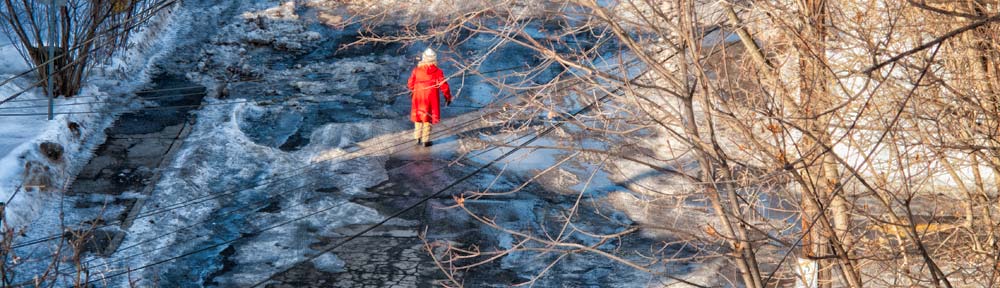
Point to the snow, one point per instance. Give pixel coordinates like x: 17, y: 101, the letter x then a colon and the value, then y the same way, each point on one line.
x: 243, y: 160
x: 234, y: 147
x: 10, y: 60
x: 27, y: 132
x: 38, y: 211
x: 22, y: 134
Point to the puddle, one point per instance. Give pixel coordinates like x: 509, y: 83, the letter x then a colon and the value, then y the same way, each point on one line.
x: 269, y: 125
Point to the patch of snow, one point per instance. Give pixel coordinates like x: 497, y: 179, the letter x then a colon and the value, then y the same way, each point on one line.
x: 329, y: 263
x: 218, y: 146
x: 23, y: 134
x: 10, y: 60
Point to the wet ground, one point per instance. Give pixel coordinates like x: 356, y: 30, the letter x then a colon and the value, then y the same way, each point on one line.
x: 308, y: 144
x: 124, y: 168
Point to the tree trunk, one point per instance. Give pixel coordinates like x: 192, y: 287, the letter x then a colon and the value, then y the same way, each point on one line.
x: 813, y: 96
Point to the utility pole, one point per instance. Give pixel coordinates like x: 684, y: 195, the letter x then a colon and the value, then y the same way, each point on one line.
x: 52, y: 56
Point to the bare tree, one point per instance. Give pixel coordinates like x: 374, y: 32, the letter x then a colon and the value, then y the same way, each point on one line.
x: 87, y: 32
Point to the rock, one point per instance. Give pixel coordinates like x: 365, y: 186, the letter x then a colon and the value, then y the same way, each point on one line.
x: 311, y: 87
x: 51, y: 150
x: 223, y: 89
x: 37, y: 176
x: 74, y: 128
x: 313, y: 36
x: 328, y: 263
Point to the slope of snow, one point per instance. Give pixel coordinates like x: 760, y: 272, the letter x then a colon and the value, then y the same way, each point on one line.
x: 106, y: 91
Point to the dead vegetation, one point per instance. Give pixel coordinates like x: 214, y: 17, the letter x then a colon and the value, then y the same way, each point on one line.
x: 856, y: 139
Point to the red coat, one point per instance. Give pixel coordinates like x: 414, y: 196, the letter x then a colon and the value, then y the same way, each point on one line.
x: 425, y: 82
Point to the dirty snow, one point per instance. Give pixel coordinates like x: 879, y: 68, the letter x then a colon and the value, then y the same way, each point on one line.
x: 108, y: 87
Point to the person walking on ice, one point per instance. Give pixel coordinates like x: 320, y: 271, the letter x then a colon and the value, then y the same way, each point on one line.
x: 426, y: 81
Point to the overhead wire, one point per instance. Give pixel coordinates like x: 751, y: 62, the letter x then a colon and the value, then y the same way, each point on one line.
x: 287, y: 174
x: 543, y: 133
x: 308, y: 215
x: 257, y: 185
x: 11, y: 99
x: 505, y: 155
x: 424, y: 199
x: 537, y: 136
x: 138, y: 92
x: 261, y: 203
x: 272, y: 227
x: 297, y: 172
x: 153, y: 91
x: 294, y: 173
x: 481, y: 168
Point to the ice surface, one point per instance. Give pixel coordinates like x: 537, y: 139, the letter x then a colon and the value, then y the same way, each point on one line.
x: 327, y: 103
x: 40, y: 213
x: 225, y: 149
x: 269, y: 126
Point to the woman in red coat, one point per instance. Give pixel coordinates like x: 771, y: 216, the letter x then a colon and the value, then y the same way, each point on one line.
x: 426, y: 81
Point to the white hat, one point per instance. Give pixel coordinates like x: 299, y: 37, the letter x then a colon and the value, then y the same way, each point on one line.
x: 429, y: 55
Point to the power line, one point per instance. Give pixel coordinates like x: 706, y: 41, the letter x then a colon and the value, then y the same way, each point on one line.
x: 271, y: 198
x: 266, y: 200
x: 275, y: 196
x: 101, y: 102
x: 458, y: 181
x: 257, y: 185
x: 156, y: 108
x: 295, y: 172
x: 139, y: 92
x: 252, y: 234
x: 482, y: 168
x: 543, y: 133
x: 169, y: 96
x: 507, y: 154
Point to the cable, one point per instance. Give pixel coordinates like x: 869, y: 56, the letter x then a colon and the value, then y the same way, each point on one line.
x: 507, y: 154
x: 252, y: 234
x: 149, y: 91
x: 156, y: 108
x: 482, y: 168
x: 268, y: 200
x: 173, y: 89
x: 435, y: 194
x: 100, y: 102
x: 548, y: 130
x: 455, y: 183
x: 175, y: 206
x: 397, y: 214
x: 201, y: 199
x: 272, y: 180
